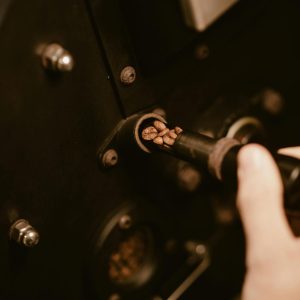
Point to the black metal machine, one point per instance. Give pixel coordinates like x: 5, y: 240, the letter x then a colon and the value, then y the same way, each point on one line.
x: 85, y: 211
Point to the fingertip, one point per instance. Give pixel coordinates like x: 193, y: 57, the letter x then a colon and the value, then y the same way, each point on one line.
x: 256, y: 165
x: 259, y: 180
x: 260, y: 195
x: 251, y: 157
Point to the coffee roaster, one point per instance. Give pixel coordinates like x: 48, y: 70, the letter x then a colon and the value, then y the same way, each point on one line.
x: 92, y: 206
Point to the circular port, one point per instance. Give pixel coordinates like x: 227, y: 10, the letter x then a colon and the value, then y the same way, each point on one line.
x: 246, y: 130
x: 125, y: 259
x: 141, y: 124
x: 131, y: 262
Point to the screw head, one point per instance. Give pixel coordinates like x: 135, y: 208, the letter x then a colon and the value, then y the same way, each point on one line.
x: 128, y: 75
x: 110, y: 158
x: 125, y: 222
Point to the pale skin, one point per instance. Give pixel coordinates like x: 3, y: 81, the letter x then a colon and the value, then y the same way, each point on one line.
x: 273, y: 252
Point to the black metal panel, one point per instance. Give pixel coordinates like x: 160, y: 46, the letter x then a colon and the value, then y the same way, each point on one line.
x: 154, y: 39
x: 157, y: 31
x: 112, y: 31
x: 51, y: 128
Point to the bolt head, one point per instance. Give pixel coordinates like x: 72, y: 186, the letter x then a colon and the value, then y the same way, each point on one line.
x: 24, y: 234
x: 65, y: 63
x: 128, y: 75
x: 57, y: 59
x: 200, y: 249
x: 125, y: 222
x: 110, y: 158
x: 31, y: 238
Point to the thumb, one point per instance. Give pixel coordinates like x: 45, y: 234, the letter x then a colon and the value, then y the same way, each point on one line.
x: 260, y: 201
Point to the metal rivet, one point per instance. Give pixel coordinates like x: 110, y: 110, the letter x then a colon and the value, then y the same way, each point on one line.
x: 272, y: 101
x: 24, y: 234
x: 128, y: 75
x: 195, y: 248
x: 110, y: 158
x: 200, y: 249
x: 56, y: 58
x: 125, y: 222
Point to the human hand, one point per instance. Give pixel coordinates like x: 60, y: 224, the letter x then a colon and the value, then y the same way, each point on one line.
x: 273, y: 252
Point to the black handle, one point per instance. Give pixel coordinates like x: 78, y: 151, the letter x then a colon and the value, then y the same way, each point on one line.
x: 220, y: 158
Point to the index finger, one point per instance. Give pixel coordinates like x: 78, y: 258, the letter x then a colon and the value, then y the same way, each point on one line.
x: 290, y: 151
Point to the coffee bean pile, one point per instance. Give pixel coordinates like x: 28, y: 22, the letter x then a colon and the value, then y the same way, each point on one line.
x: 160, y: 134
